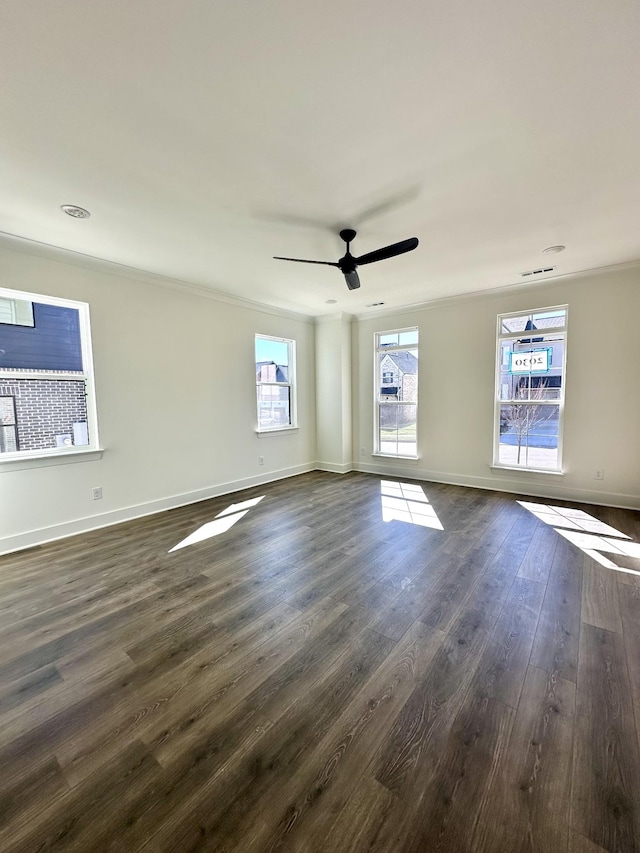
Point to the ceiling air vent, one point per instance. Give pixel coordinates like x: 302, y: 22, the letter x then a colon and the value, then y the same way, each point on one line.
x: 537, y: 272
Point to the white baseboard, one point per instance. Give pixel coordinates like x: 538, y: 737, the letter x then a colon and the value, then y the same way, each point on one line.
x: 536, y: 485
x: 333, y: 468
x: 41, y: 536
x: 391, y: 468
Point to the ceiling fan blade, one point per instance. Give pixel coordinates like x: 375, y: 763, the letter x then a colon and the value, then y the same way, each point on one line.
x: 302, y: 261
x: 388, y: 251
x: 353, y: 282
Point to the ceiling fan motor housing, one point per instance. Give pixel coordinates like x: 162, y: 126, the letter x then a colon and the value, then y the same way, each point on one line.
x: 347, y: 263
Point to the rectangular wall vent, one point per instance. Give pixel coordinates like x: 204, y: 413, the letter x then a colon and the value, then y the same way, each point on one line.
x: 537, y: 272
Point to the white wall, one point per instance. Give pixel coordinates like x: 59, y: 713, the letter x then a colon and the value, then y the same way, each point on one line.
x: 176, y: 395
x: 333, y: 393
x: 175, y: 384
x: 456, y: 388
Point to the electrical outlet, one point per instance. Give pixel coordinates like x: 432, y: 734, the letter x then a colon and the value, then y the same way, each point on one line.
x: 363, y: 452
x: 260, y: 460
x: 96, y: 493
x: 599, y: 474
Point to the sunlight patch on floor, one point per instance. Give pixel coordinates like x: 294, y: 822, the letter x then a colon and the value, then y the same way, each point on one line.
x: 245, y: 505
x: 574, y: 519
x: 223, y: 521
x: 407, y: 502
x: 592, y: 536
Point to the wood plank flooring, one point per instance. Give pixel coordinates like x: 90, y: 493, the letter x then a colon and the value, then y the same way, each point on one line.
x: 316, y: 680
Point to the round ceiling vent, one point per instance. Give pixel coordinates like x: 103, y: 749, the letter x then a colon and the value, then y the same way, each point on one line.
x: 75, y: 211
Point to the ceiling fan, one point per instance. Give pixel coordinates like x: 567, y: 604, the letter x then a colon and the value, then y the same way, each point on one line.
x: 347, y: 264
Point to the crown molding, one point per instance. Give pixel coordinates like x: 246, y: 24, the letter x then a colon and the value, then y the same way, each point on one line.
x: 55, y: 253
x: 328, y: 318
x: 91, y: 262
x: 494, y: 292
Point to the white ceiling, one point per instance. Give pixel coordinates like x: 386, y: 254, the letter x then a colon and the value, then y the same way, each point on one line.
x: 206, y: 136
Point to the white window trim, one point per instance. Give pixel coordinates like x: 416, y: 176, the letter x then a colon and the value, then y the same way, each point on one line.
x: 291, y: 384
x: 509, y: 336
x: 502, y: 468
x: 376, y: 398
x: 63, y: 456
x: 397, y: 456
x: 265, y: 433
x: 86, y: 376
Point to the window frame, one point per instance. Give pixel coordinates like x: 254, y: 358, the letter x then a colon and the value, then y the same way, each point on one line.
x: 377, y: 349
x: 86, y: 376
x: 558, y: 402
x: 14, y: 312
x: 291, y: 384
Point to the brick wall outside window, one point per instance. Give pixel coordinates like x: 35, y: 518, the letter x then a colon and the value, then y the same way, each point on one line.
x: 45, y: 408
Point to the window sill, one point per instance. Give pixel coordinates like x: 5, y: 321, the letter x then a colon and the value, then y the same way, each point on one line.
x: 45, y: 460
x: 499, y: 468
x: 263, y: 433
x: 396, y: 456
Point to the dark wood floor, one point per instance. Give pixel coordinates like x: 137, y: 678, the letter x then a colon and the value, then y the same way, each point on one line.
x: 315, y: 679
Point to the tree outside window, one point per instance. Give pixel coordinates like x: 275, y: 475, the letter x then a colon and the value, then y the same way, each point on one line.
x: 530, y: 380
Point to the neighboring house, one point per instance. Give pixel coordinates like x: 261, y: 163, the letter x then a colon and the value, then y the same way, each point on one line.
x: 548, y: 378
x: 269, y: 371
x: 399, y: 374
x: 42, y: 389
x: 274, y: 408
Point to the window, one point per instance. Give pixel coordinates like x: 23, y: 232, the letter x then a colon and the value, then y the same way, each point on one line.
x: 47, y: 402
x: 8, y: 425
x: 275, y: 383
x: 396, y: 382
x: 16, y: 312
x: 530, y: 380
